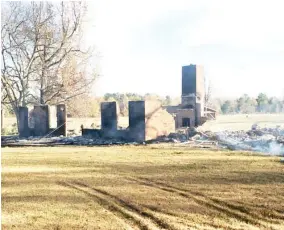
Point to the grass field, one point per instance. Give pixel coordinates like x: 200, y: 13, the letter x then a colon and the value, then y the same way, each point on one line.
x: 243, y: 122
x: 140, y: 187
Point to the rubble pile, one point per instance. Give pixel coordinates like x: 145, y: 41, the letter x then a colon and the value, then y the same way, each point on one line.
x: 80, y: 140
x: 265, y: 140
x: 55, y: 141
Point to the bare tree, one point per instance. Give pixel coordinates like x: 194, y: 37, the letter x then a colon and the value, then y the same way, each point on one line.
x: 39, y: 42
x: 74, y: 80
x: 59, y: 41
x: 18, y: 55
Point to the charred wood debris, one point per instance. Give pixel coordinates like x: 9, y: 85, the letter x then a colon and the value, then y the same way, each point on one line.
x: 257, y: 139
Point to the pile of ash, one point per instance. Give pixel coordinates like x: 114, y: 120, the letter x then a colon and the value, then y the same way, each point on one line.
x: 265, y: 140
x: 56, y: 141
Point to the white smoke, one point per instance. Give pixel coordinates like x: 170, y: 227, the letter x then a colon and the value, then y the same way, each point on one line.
x: 267, y: 143
x: 276, y: 148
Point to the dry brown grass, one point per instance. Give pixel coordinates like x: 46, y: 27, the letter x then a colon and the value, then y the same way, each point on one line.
x: 144, y: 187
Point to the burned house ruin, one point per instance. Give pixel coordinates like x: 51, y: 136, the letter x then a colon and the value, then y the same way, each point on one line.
x: 192, y: 111
x: 147, y: 120
x: 42, y: 120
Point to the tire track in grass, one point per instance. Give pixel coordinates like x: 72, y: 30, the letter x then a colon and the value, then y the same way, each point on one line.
x: 233, y: 207
x: 273, y: 213
x: 202, y: 200
x: 139, y: 218
x: 129, y: 219
x: 175, y: 218
x: 207, y: 224
x: 122, y: 203
x: 274, y: 219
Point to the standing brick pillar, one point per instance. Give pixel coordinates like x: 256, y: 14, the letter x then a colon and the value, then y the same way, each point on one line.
x: 137, y: 125
x: 108, y: 118
x: 41, y: 120
x: 24, y: 130
x: 61, y: 115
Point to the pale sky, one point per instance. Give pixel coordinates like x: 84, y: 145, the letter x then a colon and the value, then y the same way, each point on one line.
x: 144, y: 45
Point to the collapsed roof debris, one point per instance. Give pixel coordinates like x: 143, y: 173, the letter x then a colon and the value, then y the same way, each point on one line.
x: 265, y: 140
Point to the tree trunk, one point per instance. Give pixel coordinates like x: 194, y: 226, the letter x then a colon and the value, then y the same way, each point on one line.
x: 16, y: 111
x: 41, y: 96
x: 43, y: 76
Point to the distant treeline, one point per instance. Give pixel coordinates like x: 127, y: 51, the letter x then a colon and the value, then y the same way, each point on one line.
x: 246, y: 104
x: 88, y: 106
x: 243, y: 104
